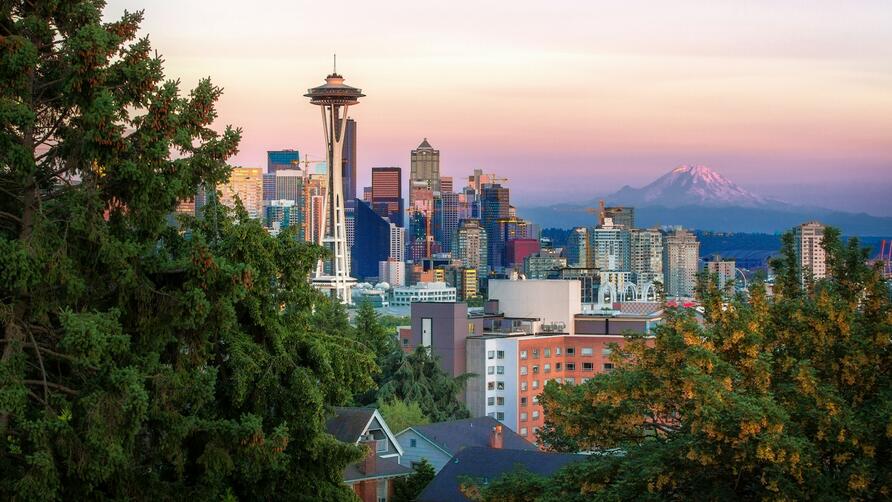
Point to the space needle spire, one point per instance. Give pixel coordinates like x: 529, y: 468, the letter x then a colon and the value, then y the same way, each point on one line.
x: 334, y: 98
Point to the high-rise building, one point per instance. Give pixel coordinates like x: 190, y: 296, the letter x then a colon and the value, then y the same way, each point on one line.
x: 281, y: 159
x: 367, y: 194
x: 479, y: 178
x: 517, y: 250
x: 494, y: 206
x: 392, y: 272
x: 722, y: 269
x: 425, y: 166
x: 387, y: 193
x: 681, y: 252
x: 808, y: 240
x: 397, y: 243
x: 269, y: 186
x: 282, y: 214
x: 545, y: 264
x: 335, y: 98
x: 579, y: 253
x: 421, y: 224
x: 372, y: 244
x: 470, y: 246
x: 446, y: 184
x: 246, y: 183
x: 289, y: 184
x: 446, y: 218
x: 619, y: 216
x: 646, y: 253
x: 348, y: 173
x: 610, y: 248
x: 509, y: 229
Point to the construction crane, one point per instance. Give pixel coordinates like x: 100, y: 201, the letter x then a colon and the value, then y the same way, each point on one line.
x: 306, y: 163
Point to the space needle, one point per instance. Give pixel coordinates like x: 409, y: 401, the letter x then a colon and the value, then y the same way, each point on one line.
x: 334, y: 98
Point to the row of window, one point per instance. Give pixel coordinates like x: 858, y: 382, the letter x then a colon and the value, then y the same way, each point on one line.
x: 523, y: 431
x: 546, y: 368
x: 495, y: 385
x: 495, y: 401
x: 523, y: 415
x: 498, y: 415
x: 495, y: 370
x: 495, y: 354
x: 535, y: 385
x: 585, y: 351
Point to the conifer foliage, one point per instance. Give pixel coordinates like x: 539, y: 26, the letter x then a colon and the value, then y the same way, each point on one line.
x: 142, y: 360
x: 765, y: 398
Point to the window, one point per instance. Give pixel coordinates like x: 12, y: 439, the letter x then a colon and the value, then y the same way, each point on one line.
x: 588, y: 366
x: 523, y: 385
x: 471, y: 329
x: 523, y: 401
x: 523, y: 370
x: 536, y: 369
x: 490, y: 386
x: 500, y: 385
x: 606, y: 351
x: 500, y: 354
x: 536, y: 401
x: 570, y: 351
x: 413, y: 443
x: 500, y: 401
x: 426, y: 327
x: 500, y: 370
x: 523, y: 416
x: 558, y: 380
x: 535, y: 430
x: 381, y: 445
x: 535, y: 384
x: 547, y: 368
x: 382, y: 490
x: 584, y: 380
x: 500, y: 415
x: 608, y: 366
x: 491, y: 414
x: 405, y: 342
x: 587, y: 351
x: 490, y: 401
x: 523, y: 354
x: 523, y: 431
x: 571, y: 366
x: 557, y: 366
x: 570, y: 380
x: 535, y: 353
x: 535, y: 414
x: 490, y: 370
x: 546, y: 352
x: 491, y: 354
x: 557, y: 351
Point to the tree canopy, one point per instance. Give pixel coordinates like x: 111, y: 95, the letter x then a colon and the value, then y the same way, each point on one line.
x: 419, y: 378
x: 767, y: 397
x: 142, y: 360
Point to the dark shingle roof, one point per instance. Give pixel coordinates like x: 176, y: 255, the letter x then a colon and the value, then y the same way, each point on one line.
x: 348, y: 424
x: 490, y: 463
x: 384, y: 468
x: 456, y: 435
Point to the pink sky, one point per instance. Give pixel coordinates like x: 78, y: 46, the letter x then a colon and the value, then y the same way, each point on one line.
x: 591, y: 95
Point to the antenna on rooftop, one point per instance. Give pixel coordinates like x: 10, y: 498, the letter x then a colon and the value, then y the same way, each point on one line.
x: 335, y: 67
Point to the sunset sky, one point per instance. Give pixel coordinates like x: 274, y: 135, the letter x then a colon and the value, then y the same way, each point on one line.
x: 586, y: 95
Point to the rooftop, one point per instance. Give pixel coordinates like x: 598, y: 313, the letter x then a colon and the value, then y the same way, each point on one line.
x: 456, y: 435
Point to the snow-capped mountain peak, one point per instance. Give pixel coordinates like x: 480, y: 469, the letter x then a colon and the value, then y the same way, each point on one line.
x: 689, y: 186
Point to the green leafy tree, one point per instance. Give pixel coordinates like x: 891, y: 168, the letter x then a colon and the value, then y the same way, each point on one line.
x: 407, y: 489
x: 419, y: 378
x: 774, y: 398
x: 140, y: 360
x: 400, y: 415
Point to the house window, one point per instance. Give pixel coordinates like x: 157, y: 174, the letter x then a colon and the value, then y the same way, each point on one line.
x: 547, y: 368
x: 523, y: 401
x: 382, y: 490
x: 491, y: 354
x: 535, y: 414
x: 523, y: 370
x: 535, y: 353
x: 557, y: 366
x: 500, y: 401
x: 535, y: 384
x: 606, y: 351
x: 523, y: 354
x: 535, y: 369
x: 571, y: 366
x: 557, y: 351
x: 547, y: 352
x: 500, y: 354
x: 523, y: 416
x: 523, y: 386
x: 413, y: 443
x: 608, y: 366
x: 570, y: 351
x: 586, y: 351
x: 405, y: 342
x: 490, y: 401
x: 500, y: 370
x: 381, y: 445
x: 588, y: 366
x: 500, y: 415
x: 523, y: 431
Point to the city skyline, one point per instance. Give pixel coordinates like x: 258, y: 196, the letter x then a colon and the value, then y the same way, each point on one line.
x: 755, y: 93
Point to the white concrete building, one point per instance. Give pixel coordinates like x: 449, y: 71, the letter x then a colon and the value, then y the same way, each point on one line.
x: 552, y: 302
x: 392, y: 272
x: 808, y: 240
x: 423, y: 292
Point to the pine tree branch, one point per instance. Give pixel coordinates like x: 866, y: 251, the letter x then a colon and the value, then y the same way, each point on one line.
x: 52, y: 385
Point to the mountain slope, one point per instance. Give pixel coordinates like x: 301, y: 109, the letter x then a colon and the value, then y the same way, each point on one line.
x: 690, y: 186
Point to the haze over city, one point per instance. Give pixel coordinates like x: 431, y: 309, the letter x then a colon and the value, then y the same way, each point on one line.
x: 769, y: 94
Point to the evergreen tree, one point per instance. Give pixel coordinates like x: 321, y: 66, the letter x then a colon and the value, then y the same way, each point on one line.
x: 142, y: 361
x: 407, y: 489
x: 418, y: 378
x: 778, y: 398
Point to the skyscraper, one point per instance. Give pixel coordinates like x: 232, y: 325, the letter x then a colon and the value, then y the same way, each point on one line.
x: 282, y: 214
x: 446, y: 212
x: 646, y: 253
x: 289, y: 184
x: 494, y: 206
x: 681, y: 252
x: 348, y: 173
x: 372, y: 243
x: 281, y: 159
x: 387, y: 193
x: 246, y: 183
x: 610, y: 248
x: 722, y: 269
x: 578, y: 248
x: 470, y: 246
x: 808, y: 240
x: 620, y: 216
x: 425, y: 166
x: 446, y: 184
